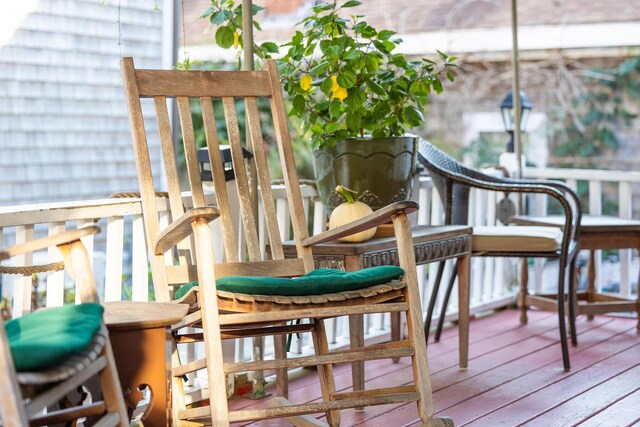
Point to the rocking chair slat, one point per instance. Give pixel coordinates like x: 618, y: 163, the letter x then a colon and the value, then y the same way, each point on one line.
x: 249, y: 221
x: 190, y: 154
x: 213, y: 145
x: 287, y: 161
x: 168, y: 156
x: 253, y: 122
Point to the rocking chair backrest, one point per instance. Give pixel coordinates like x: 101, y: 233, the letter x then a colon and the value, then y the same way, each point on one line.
x: 229, y: 87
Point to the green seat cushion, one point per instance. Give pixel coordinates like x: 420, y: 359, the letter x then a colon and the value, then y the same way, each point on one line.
x: 45, y: 338
x: 317, y: 282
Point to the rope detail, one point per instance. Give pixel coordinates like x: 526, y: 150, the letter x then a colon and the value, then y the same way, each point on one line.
x: 135, y: 195
x: 32, y: 269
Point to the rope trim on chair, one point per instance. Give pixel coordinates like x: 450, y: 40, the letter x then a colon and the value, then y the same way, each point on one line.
x: 32, y: 269
x: 135, y: 195
x: 316, y: 299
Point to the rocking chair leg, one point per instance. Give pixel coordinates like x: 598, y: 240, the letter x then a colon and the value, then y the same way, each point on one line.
x: 325, y: 372
x: 432, y: 301
x: 282, y: 381
x: 177, y: 387
x: 111, y: 388
x: 445, y: 304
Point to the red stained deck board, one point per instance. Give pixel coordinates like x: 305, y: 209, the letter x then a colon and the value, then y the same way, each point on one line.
x: 512, y: 369
x: 624, y: 412
x: 452, y: 386
x: 442, y: 362
x: 542, y: 375
x: 482, y: 355
x: 580, y: 407
x: 545, y: 354
x: 560, y: 389
x: 443, y: 354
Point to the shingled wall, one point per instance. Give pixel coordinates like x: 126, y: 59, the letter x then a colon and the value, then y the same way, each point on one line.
x: 64, y: 132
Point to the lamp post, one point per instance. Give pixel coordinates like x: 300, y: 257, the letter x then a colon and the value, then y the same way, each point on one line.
x: 508, y: 116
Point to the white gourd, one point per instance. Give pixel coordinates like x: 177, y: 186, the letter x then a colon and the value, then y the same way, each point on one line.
x: 349, y: 212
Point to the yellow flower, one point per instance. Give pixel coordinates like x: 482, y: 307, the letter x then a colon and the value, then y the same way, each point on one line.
x: 340, y: 94
x: 236, y: 39
x: 334, y: 83
x: 305, y: 82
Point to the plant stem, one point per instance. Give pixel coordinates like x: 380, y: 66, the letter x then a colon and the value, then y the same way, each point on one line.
x: 348, y: 194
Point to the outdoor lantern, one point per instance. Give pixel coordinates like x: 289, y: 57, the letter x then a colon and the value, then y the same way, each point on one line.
x: 225, y: 153
x: 506, y: 108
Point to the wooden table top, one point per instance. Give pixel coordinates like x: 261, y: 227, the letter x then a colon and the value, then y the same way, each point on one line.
x: 589, y: 223
x: 128, y: 315
x: 421, y: 234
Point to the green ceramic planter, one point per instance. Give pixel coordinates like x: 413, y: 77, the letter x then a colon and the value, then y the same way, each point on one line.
x: 381, y: 170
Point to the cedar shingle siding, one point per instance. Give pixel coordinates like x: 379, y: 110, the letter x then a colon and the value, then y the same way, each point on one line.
x: 64, y: 132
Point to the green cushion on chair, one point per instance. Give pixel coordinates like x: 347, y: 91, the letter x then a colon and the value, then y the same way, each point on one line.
x: 317, y: 282
x: 46, y: 338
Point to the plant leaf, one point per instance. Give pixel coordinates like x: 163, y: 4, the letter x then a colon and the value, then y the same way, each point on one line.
x: 346, y: 79
x: 224, y: 37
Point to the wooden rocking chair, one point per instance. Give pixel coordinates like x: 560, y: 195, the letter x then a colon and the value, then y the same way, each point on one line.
x: 240, y: 298
x: 47, y: 354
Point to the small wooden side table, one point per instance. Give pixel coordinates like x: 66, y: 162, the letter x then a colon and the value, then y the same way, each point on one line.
x: 431, y: 244
x: 597, y: 232
x: 140, y: 336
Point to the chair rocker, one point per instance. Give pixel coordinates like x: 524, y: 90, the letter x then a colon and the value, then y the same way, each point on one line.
x: 258, y: 295
x: 50, y: 353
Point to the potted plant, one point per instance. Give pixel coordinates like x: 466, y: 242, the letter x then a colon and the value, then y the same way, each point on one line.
x: 355, y: 96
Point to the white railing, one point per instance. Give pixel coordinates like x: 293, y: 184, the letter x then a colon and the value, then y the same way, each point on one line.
x: 619, y: 187
x: 121, y: 266
x: 22, y: 223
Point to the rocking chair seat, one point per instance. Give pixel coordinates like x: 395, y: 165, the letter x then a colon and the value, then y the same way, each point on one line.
x: 318, y: 282
x: 47, y: 338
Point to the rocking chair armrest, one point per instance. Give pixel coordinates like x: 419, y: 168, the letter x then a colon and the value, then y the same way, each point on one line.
x: 181, y: 228
x: 45, y: 242
x: 379, y: 217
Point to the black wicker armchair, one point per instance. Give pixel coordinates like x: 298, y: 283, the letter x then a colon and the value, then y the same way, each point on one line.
x: 454, y: 182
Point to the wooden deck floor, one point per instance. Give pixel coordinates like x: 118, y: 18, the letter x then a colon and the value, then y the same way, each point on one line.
x: 515, y: 377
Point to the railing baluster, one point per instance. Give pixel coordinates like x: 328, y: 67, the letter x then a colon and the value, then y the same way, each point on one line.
x: 88, y: 244
x: 262, y: 229
x: 284, y: 220
x: 113, y: 266
x: 476, y: 216
x: 595, y: 208
x: 139, y: 267
x: 22, y: 284
x: 625, y: 211
x: 319, y: 220
x: 55, y: 279
x: 489, y: 272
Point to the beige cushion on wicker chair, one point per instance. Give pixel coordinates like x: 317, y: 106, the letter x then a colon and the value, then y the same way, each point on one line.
x: 516, y: 239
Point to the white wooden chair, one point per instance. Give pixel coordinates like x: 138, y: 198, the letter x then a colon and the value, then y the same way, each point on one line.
x: 40, y: 360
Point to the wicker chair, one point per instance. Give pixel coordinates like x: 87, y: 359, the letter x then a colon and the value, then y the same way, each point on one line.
x: 454, y: 182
